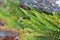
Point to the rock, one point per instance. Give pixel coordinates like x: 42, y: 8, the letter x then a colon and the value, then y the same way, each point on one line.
x: 2, y: 2
x: 43, y: 5
x: 8, y: 35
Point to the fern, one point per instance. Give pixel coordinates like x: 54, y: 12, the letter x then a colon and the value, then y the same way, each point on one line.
x: 32, y: 25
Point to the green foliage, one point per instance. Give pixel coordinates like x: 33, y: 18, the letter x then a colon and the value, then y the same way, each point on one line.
x: 39, y: 25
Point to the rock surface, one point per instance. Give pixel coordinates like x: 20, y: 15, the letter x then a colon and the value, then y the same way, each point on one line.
x: 8, y: 35
x: 41, y: 5
x: 44, y: 5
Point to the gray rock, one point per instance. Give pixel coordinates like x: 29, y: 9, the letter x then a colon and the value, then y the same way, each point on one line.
x: 44, y: 5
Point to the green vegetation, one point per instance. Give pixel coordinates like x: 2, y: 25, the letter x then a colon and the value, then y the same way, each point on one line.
x: 32, y: 25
